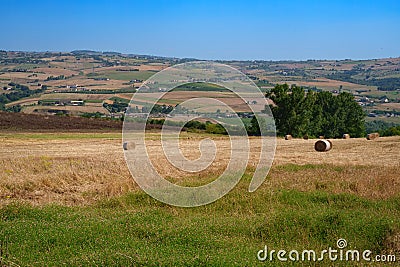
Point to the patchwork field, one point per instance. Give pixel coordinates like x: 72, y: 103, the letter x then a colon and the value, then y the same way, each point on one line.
x: 69, y: 199
x: 88, y: 73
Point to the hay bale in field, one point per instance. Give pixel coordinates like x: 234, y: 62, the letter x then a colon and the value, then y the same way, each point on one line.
x: 346, y: 136
x: 321, y: 137
x: 288, y: 137
x: 305, y: 137
x: 330, y: 142
x: 372, y: 136
x: 128, y: 145
x: 323, y: 145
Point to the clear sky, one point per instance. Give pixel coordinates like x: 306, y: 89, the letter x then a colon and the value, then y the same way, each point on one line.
x: 269, y: 30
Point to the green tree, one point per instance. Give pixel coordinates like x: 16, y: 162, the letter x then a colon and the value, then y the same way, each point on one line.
x: 300, y: 113
x: 351, y: 116
x: 292, y: 110
x: 215, y: 128
x: 254, y: 127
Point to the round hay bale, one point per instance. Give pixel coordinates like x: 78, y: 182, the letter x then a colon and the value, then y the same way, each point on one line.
x: 128, y: 145
x: 288, y: 137
x: 323, y: 145
x: 329, y: 143
x: 321, y: 137
x: 372, y: 136
x: 346, y: 136
x: 305, y: 137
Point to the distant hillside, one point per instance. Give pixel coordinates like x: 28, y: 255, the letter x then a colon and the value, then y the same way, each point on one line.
x: 56, y: 80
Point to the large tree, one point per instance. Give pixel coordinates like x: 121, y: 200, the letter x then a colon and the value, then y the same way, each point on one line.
x: 300, y: 113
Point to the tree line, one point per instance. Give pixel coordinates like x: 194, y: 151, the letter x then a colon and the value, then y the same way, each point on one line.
x: 383, y: 84
x: 300, y: 113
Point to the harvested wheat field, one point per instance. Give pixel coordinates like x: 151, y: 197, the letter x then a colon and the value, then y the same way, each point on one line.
x: 80, y: 168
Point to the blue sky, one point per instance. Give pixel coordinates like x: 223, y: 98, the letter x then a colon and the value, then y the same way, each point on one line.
x: 269, y: 30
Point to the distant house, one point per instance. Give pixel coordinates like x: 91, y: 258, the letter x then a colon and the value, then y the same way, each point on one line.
x: 116, y: 115
x: 72, y: 86
x: 77, y: 102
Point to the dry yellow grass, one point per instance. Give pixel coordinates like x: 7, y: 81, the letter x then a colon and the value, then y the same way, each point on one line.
x: 81, y: 169
x: 71, y: 109
x: 23, y: 75
x: 390, y: 106
x: 56, y: 71
x: 88, y: 83
x: 75, y: 96
x: 154, y: 67
x: 25, y: 101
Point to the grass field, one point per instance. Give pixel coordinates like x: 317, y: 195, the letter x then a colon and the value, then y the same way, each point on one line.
x: 68, y: 199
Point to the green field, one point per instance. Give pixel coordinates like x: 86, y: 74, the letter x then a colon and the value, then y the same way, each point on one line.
x: 199, y: 87
x: 128, y: 75
x: 135, y: 230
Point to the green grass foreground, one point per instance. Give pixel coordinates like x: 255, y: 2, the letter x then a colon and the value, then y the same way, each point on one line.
x: 135, y: 230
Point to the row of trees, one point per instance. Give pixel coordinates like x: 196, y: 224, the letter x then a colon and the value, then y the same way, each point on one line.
x: 191, y: 126
x: 395, y: 130
x: 19, y: 91
x: 301, y: 113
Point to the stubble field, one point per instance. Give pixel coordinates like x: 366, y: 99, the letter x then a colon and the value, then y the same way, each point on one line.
x: 83, y: 167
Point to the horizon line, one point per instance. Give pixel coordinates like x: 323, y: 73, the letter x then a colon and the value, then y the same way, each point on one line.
x: 200, y: 59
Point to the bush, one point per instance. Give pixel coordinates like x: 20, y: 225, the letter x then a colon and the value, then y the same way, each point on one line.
x: 215, y: 128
